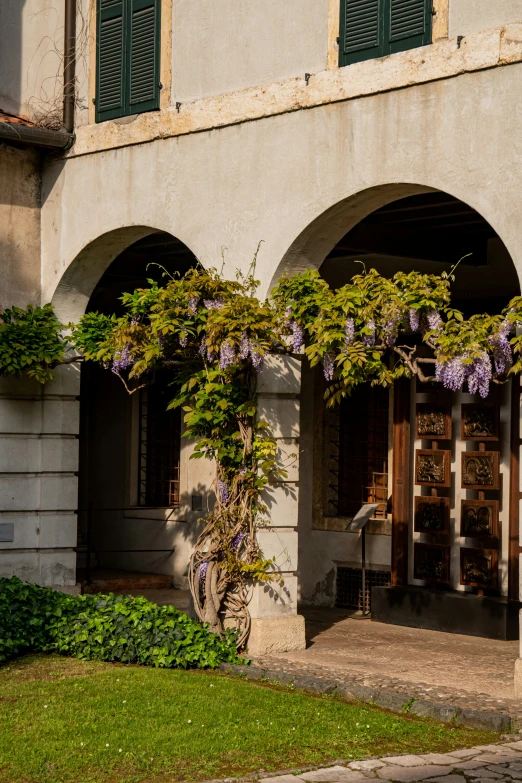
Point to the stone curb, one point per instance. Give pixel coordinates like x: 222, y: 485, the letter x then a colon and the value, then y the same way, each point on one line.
x: 499, y: 722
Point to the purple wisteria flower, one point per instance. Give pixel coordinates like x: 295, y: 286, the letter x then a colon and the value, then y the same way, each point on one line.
x: 193, y: 305
x: 223, y: 491
x: 211, y: 356
x: 135, y: 320
x: 227, y: 355
x: 390, y: 330
x: 414, y: 319
x: 183, y: 341
x: 369, y: 339
x: 161, y: 339
x: 454, y: 373
x: 214, y: 304
x: 328, y: 365
x: 236, y: 541
x: 451, y: 373
x: 203, y: 567
x: 349, y: 331
x: 502, y: 353
x: 297, y: 335
x: 258, y: 360
x: 480, y: 376
x: 122, y: 360
x: 432, y: 321
x: 244, y: 347
x: 203, y: 347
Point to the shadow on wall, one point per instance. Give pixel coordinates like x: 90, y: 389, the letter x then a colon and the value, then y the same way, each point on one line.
x: 20, y: 226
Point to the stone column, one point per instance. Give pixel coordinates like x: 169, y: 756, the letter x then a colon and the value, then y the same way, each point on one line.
x: 276, y: 626
x: 38, y: 479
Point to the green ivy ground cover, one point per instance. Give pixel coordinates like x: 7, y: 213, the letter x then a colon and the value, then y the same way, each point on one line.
x: 105, y: 628
x: 65, y: 720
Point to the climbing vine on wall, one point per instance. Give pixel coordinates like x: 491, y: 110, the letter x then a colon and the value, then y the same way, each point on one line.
x: 215, y: 336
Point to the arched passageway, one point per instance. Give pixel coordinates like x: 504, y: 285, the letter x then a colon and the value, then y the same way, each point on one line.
x: 420, y: 538
x: 134, y: 500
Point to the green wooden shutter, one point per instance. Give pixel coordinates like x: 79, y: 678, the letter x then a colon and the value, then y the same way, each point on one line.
x: 143, y: 55
x: 361, y: 30
x: 409, y: 24
x: 110, y: 59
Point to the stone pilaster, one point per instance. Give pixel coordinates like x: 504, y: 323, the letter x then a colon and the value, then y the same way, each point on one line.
x: 276, y: 626
x: 38, y: 478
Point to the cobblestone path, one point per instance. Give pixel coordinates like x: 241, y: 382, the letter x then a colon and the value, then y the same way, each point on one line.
x: 483, y: 764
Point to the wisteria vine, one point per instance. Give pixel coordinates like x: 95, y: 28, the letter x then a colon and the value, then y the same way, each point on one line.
x: 215, y: 337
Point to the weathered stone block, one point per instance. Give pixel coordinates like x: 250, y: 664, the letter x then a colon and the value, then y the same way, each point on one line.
x: 288, y: 458
x: 57, y: 568
x: 279, y: 544
x: 274, y: 600
x: 487, y: 721
x: 282, y: 375
x: 281, y: 413
x: 428, y: 709
x: 390, y: 701
x: 20, y: 454
x: 282, y: 501
x: 276, y: 634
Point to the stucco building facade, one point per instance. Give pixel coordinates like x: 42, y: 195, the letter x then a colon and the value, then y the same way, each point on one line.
x: 257, y: 132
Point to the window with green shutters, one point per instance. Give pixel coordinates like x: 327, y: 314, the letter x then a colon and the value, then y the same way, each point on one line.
x: 127, y: 57
x: 374, y: 28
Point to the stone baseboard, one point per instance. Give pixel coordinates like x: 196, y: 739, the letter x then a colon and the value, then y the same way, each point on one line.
x: 270, y: 635
x: 69, y: 589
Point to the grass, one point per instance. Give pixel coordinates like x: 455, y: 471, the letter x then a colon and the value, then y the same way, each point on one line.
x: 65, y: 721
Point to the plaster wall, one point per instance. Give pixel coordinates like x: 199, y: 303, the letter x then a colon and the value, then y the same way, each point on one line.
x: 31, y: 51
x: 19, y: 226
x: 229, y: 45
x: 297, y: 181
x: 470, y: 16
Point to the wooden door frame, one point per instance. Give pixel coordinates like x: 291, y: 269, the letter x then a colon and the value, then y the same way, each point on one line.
x: 401, y: 480
x: 514, y: 491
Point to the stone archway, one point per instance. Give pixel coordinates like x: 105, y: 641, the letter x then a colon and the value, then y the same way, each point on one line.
x: 123, y: 523
x: 315, y: 244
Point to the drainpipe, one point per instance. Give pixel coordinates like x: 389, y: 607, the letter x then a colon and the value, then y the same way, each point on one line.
x: 69, y: 70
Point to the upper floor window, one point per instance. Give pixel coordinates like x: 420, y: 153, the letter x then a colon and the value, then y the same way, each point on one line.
x: 374, y: 28
x: 127, y: 57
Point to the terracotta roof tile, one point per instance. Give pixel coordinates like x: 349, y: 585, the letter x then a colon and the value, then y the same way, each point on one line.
x: 13, y: 119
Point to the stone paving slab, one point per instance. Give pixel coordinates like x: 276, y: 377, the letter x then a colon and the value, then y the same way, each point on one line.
x: 500, y: 763
x: 473, y: 765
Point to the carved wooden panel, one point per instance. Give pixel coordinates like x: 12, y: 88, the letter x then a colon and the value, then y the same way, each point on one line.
x: 479, y: 518
x: 480, y: 470
x: 432, y: 515
x: 431, y: 562
x: 433, y: 422
x: 433, y: 468
x: 479, y: 567
x: 480, y: 422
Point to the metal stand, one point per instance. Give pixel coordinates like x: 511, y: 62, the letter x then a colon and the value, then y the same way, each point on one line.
x: 359, y: 523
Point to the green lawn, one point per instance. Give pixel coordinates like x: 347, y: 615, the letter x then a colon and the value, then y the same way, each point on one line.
x: 69, y: 721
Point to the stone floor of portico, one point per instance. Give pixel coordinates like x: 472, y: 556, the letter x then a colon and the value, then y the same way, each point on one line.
x: 463, y: 670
